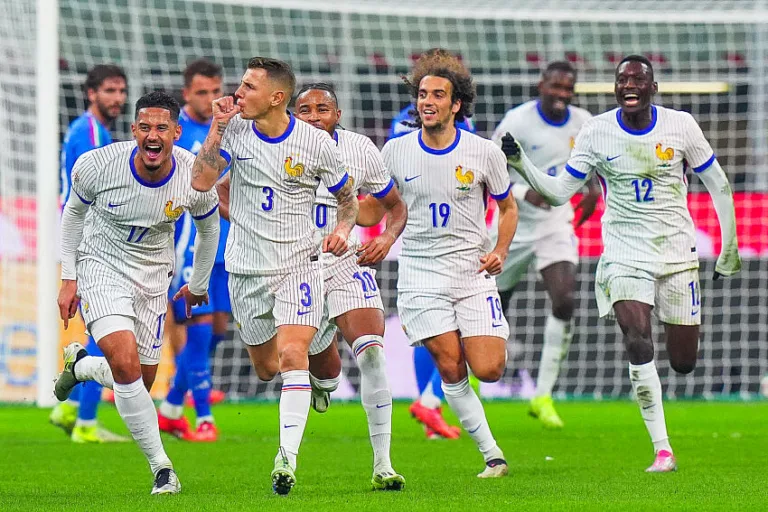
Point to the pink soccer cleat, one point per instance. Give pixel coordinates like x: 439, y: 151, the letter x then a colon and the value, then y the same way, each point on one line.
x: 665, y: 463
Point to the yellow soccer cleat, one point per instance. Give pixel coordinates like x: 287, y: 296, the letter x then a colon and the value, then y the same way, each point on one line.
x: 64, y: 416
x: 96, y: 435
x: 543, y: 408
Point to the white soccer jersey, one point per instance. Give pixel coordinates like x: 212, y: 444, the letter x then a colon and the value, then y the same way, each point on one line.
x: 273, y: 187
x: 366, y: 171
x: 642, y: 173
x: 548, y: 145
x: 130, y: 222
x: 445, y: 191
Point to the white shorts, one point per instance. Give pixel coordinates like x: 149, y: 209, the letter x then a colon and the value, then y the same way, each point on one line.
x: 106, y: 293
x: 261, y: 303
x: 425, y: 314
x: 347, y: 287
x: 674, y: 296
x: 560, y: 245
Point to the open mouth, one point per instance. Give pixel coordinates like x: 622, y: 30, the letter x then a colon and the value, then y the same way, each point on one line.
x: 631, y: 99
x: 428, y: 113
x: 153, y: 150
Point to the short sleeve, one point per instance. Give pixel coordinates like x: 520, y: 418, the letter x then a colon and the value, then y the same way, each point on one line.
x: 378, y: 180
x: 330, y: 167
x: 582, y: 160
x: 698, y: 152
x: 497, y: 177
x: 203, y: 204
x: 85, y: 179
x: 386, y: 158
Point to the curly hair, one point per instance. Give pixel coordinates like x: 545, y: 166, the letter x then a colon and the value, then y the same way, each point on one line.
x: 442, y: 63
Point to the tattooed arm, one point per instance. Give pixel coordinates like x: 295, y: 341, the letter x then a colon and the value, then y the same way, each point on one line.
x: 209, y: 162
x: 346, y: 215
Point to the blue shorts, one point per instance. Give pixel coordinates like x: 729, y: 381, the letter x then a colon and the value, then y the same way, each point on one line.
x: 218, y: 294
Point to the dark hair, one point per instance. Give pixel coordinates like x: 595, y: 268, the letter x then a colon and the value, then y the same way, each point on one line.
x: 320, y: 86
x: 442, y: 63
x: 101, y: 72
x: 636, y: 58
x: 276, y: 70
x: 559, y: 65
x: 159, y: 99
x: 201, y: 67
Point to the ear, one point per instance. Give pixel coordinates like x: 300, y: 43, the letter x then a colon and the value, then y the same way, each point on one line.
x: 185, y: 94
x: 178, y: 132
x: 456, y: 106
x: 278, y: 97
x: 655, y: 87
x: 91, y: 95
x: 338, y: 115
x: 133, y: 129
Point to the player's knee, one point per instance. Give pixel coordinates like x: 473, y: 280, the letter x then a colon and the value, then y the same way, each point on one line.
x: 640, y: 349
x: 489, y: 372
x: 683, y: 367
x: 453, y: 371
x: 266, y: 372
x: 291, y: 357
x: 125, y: 368
x: 563, y: 306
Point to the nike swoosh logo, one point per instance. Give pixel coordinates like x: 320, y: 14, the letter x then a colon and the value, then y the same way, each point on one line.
x: 475, y: 429
x: 411, y: 178
x: 382, y: 406
x: 535, y: 147
x: 647, y: 407
x: 302, y: 313
x: 612, y: 158
x: 694, y: 313
x: 496, y: 325
x: 370, y: 297
x: 289, y: 426
x: 245, y: 158
x: 157, y: 346
x: 115, y: 205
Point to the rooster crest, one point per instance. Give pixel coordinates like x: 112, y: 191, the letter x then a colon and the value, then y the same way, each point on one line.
x: 171, y: 212
x: 293, y: 171
x: 666, y: 154
x: 464, y: 178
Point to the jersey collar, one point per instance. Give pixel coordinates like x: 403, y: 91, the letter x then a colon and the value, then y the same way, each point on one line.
x: 279, y: 138
x: 443, y: 151
x: 149, y: 183
x: 631, y: 131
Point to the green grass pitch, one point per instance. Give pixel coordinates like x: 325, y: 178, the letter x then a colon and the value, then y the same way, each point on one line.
x: 595, y: 463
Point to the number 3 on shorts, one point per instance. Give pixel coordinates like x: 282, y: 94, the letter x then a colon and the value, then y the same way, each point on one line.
x: 306, y: 301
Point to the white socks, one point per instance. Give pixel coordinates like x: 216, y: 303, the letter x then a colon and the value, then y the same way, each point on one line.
x: 557, y: 338
x: 647, y: 387
x: 327, y: 385
x: 295, y: 398
x: 464, y: 402
x: 171, y: 411
x: 94, y: 368
x: 138, y: 412
x: 428, y: 398
x: 376, y: 397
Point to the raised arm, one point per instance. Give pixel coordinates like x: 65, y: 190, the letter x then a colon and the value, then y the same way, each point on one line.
x: 556, y: 190
x: 713, y: 177
x: 209, y: 162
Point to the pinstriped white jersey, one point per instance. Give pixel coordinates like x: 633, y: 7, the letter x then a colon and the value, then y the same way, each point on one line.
x: 445, y: 191
x: 366, y: 171
x: 643, y: 178
x: 273, y: 186
x: 130, y: 222
x: 548, y: 145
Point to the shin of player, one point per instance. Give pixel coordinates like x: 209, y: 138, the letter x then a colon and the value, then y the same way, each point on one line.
x: 649, y: 261
x: 120, y: 262
x: 353, y: 301
x: 276, y: 287
x: 447, y: 295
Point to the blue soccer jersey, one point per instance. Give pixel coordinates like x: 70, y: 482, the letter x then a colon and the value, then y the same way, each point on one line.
x: 84, y: 134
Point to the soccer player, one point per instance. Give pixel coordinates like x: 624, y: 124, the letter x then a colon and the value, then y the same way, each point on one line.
x: 546, y: 129
x: 639, y: 152
x: 275, y: 280
x: 352, y: 299
x: 208, y: 325
x: 427, y: 409
x: 105, y: 90
x: 119, y: 265
x: 447, y: 296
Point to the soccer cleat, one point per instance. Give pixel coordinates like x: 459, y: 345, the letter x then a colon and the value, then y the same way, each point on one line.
x: 176, y: 427
x: 96, y: 435
x: 66, y: 380
x: 283, y: 478
x: 217, y: 396
x: 206, y: 432
x: 166, y: 482
x: 433, y: 419
x: 494, y: 468
x: 388, y: 481
x: 543, y: 408
x: 664, y: 463
x: 64, y: 416
x: 321, y: 400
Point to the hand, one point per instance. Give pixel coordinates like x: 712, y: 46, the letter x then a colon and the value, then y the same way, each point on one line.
x: 587, y: 206
x: 375, y: 250
x: 510, y: 147
x: 68, y: 300
x: 225, y: 109
x: 492, y: 262
x: 335, y: 243
x: 728, y: 264
x: 533, y: 197
x: 191, y: 299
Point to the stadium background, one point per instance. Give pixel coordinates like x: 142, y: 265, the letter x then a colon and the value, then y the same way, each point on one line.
x: 710, y: 59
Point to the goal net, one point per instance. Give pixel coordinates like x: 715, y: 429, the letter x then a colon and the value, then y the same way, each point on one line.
x: 710, y: 59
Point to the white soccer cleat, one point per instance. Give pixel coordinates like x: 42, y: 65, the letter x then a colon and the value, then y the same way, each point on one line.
x: 321, y: 400
x: 166, y: 482
x: 664, y: 463
x: 495, y: 468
